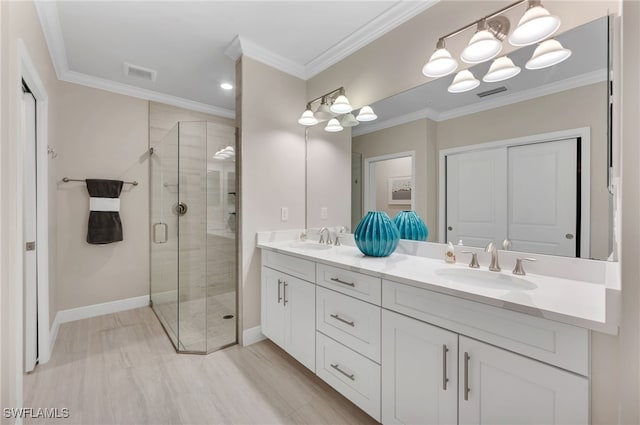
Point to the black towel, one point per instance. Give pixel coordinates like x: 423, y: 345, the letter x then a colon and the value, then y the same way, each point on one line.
x: 104, y: 226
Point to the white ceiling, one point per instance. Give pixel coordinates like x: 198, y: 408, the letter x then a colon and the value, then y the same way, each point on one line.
x: 192, y: 45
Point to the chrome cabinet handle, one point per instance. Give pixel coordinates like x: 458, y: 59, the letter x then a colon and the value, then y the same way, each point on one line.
x: 279, y: 290
x: 335, y: 279
x: 335, y: 316
x: 348, y: 375
x: 286, y: 285
x: 466, y: 376
x: 445, y: 350
x: 165, y: 238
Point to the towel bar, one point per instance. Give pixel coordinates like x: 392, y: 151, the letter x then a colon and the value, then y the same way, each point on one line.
x: 67, y: 179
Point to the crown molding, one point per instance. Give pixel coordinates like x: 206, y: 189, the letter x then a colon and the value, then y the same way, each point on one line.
x: 127, y: 90
x: 241, y: 45
x: 50, y: 22
x: 393, y: 17
x: 544, y: 90
x: 392, y: 122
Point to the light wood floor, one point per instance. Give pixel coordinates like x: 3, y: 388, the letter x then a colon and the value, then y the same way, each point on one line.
x: 122, y: 369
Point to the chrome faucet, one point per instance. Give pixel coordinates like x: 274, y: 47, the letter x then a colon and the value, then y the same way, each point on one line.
x: 491, y: 248
x: 321, y: 233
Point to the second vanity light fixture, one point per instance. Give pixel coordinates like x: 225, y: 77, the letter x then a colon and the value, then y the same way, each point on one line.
x: 335, y: 108
x: 536, y: 25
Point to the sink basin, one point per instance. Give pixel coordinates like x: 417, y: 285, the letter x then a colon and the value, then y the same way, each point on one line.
x: 487, y: 279
x: 311, y: 246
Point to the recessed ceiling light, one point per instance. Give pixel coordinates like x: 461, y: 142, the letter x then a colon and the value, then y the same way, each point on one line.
x: 226, y: 86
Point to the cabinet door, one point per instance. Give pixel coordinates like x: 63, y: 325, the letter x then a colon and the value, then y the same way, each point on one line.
x: 300, y: 325
x: 500, y: 387
x: 273, y: 314
x: 419, y: 372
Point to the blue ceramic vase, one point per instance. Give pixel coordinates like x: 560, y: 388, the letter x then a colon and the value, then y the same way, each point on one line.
x: 411, y: 226
x: 376, y: 235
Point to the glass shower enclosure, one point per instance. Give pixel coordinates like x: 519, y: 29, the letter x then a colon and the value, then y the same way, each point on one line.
x: 193, y: 236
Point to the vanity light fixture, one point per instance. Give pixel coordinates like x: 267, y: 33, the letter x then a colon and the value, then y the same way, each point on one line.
x: 440, y: 63
x: 535, y: 25
x: 366, y: 114
x: 307, y: 117
x: 341, y: 105
x: 333, y: 126
x: 463, y: 82
x: 335, y: 108
x: 348, y: 120
x: 486, y: 43
x: 323, y: 113
x: 548, y: 53
x: 501, y: 69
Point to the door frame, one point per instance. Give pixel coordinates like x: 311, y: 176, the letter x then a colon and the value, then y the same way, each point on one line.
x: 27, y: 71
x: 584, y: 133
x: 369, y: 189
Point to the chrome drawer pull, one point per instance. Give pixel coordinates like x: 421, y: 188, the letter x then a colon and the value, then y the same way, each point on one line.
x: 286, y: 285
x: 467, y: 390
x: 335, y: 279
x: 337, y: 367
x: 444, y: 367
x: 335, y: 316
x: 279, y: 290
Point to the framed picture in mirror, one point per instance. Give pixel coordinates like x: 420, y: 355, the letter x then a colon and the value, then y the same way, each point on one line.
x: 400, y: 192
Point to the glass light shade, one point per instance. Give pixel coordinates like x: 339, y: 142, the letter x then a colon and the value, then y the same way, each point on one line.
x: 463, y: 81
x: 366, y: 114
x: 501, y: 69
x: 535, y: 25
x: 548, y: 53
x: 341, y: 105
x: 323, y: 113
x: 333, y: 126
x: 440, y: 64
x: 349, y: 120
x: 482, y: 47
x: 307, y: 118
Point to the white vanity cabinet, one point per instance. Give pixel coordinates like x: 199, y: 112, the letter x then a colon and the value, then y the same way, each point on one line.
x: 497, y: 386
x: 419, y: 372
x: 288, y: 308
x: 434, y: 376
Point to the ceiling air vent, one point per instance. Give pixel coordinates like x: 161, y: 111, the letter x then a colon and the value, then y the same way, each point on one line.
x: 492, y: 91
x: 139, y: 72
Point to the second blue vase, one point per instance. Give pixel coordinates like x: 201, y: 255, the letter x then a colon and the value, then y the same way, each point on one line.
x: 376, y: 235
x: 410, y: 226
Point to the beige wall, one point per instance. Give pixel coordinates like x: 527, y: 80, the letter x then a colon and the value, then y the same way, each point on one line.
x: 102, y: 135
x: 384, y: 170
x: 272, y: 152
x: 418, y: 136
x: 18, y: 20
x: 580, y: 107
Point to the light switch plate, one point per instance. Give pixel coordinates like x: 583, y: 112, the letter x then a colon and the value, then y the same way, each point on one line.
x: 284, y: 214
x: 324, y: 213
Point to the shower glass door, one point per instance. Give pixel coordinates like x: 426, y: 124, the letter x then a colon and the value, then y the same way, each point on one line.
x: 164, y: 196
x: 194, y: 236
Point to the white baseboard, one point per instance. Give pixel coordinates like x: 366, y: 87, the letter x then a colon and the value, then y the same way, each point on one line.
x: 252, y: 335
x: 53, y: 334
x: 73, y: 314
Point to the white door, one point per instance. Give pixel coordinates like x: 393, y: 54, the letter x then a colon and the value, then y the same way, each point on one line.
x: 419, y: 372
x: 300, y: 320
x: 476, y: 197
x: 273, y: 306
x: 500, y: 387
x: 542, y: 198
x: 29, y: 223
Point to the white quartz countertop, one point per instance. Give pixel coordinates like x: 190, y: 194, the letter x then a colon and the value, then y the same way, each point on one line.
x: 574, y: 302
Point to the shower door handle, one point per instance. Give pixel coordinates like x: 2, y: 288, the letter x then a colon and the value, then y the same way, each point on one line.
x: 156, y: 228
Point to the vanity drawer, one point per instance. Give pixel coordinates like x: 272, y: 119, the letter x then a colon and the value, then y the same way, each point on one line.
x: 352, y: 375
x: 352, y: 322
x: 563, y: 345
x: 357, y: 285
x: 293, y: 266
